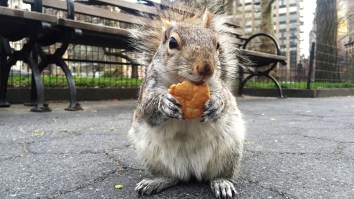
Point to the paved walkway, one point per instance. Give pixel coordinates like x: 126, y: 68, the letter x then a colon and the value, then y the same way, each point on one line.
x: 296, y: 148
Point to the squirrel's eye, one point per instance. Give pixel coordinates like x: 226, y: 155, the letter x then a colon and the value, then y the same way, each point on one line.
x: 173, y: 44
x: 217, y: 46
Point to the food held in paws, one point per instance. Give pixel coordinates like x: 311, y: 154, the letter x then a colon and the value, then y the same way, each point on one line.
x: 192, y: 98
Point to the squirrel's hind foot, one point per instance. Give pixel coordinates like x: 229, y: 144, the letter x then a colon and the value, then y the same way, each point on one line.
x: 223, y: 189
x: 150, y: 186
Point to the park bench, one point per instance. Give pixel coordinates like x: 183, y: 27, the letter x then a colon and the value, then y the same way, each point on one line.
x: 47, y: 29
x: 257, y: 63
x: 262, y: 63
x: 65, y: 30
x: 17, y: 25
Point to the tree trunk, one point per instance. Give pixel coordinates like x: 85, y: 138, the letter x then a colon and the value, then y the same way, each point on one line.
x: 267, y: 26
x: 326, y: 39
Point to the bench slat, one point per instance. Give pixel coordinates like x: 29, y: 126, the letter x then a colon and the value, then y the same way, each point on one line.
x: 17, y: 24
x: 97, y: 35
x: 92, y: 11
x: 260, y: 57
x: 93, y: 27
x: 130, y: 6
x: 27, y: 15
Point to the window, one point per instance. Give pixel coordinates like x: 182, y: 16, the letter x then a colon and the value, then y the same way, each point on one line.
x: 293, y: 42
x: 293, y: 1
x: 282, y: 18
x: 282, y: 26
x: 282, y: 2
x: 248, y: 7
x: 293, y: 16
x: 293, y: 25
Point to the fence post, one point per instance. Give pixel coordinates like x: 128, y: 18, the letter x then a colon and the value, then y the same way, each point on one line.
x: 312, y: 57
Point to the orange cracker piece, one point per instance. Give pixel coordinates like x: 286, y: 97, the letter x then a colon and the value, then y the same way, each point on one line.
x: 191, y: 97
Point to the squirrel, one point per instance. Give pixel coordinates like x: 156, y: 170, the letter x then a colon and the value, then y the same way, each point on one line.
x: 187, y: 46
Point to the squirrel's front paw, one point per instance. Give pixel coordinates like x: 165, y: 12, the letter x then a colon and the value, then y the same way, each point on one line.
x: 169, y: 106
x: 213, y: 108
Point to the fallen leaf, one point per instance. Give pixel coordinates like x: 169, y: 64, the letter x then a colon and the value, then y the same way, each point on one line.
x: 119, y: 186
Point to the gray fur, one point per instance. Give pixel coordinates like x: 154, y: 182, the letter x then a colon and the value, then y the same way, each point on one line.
x: 174, y: 149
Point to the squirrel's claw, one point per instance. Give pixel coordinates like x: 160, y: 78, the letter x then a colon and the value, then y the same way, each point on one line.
x: 151, y: 186
x: 223, y: 189
x: 169, y: 106
x: 213, y: 108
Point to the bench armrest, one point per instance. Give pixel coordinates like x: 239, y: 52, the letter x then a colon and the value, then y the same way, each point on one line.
x: 263, y: 35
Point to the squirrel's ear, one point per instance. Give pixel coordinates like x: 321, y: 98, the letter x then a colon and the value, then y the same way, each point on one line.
x: 207, y: 19
x: 166, y: 28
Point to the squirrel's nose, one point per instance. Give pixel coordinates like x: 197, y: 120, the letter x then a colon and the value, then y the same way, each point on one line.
x: 205, y: 69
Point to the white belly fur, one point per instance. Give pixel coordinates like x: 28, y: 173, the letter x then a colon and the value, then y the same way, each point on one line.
x: 184, y: 148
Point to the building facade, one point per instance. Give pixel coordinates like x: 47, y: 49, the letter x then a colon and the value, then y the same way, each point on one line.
x: 348, y: 36
x: 287, y: 19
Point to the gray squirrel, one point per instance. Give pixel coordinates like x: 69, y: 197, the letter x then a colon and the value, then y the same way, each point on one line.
x: 185, y: 46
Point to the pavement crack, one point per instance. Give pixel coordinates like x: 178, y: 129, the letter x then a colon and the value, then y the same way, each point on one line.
x: 279, y: 193
x: 111, y: 157
x: 326, y: 139
x: 280, y: 153
x: 96, y: 180
x: 27, y: 149
x: 122, y: 167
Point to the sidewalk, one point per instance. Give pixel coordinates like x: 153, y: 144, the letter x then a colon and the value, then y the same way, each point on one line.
x: 296, y: 148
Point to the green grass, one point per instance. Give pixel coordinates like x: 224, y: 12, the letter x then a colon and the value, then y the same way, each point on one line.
x: 60, y: 81
x: 301, y: 85
x: 114, y: 82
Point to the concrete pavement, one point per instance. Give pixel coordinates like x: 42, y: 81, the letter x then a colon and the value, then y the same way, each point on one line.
x: 296, y: 148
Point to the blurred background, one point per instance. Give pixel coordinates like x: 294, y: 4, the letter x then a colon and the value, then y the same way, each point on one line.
x: 323, y: 28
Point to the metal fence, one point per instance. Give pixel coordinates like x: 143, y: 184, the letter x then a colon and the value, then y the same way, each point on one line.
x: 91, y: 66
x: 101, y: 67
x: 329, y: 67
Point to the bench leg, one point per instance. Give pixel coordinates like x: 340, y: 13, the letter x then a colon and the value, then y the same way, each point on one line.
x: 33, y: 96
x: 47, y: 59
x: 242, y: 83
x: 5, y: 50
x: 280, y: 90
x: 240, y: 79
x: 57, y: 56
x: 33, y: 99
x: 74, y: 105
x: 4, y: 76
x: 36, y: 75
